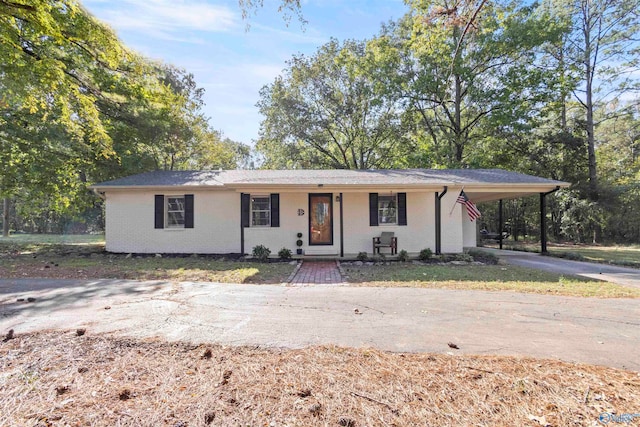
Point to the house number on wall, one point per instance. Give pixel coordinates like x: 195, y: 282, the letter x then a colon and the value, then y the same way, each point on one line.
x: 300, y: 212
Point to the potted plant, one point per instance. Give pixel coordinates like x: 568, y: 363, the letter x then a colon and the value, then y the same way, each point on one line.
x: 299, y: 244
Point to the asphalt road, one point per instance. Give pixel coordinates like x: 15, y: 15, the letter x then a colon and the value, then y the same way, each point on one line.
x: 591, y: 330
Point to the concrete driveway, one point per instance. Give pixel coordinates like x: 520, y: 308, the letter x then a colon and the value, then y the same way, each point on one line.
x: 598, y: 331
x: 609, y: 273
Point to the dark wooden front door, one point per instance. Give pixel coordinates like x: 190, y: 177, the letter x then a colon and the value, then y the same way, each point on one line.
x: 321, y: 219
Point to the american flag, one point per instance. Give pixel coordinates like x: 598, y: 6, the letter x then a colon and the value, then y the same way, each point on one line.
x: 472, y: 210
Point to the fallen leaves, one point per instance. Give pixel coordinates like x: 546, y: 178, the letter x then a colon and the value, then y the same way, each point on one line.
x: 147, y: 382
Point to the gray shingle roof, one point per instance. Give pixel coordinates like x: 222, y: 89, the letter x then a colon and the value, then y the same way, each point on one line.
x: 341, y: 177
x: 165, y: 179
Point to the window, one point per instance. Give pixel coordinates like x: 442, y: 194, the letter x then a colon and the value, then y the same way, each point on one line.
x: 175, y: 212
x: 387, y: 209
x: 260, y: 211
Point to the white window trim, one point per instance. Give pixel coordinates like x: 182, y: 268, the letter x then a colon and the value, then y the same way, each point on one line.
x: 395, y: 197
x: 251, y: 210
x: 166, y: 211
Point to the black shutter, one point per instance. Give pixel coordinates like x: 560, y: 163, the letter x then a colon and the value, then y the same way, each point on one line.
x: 245, y: 210
x: 188, y: 211
x: 275, y: 210
x: 402, y: 208
x: 373, y: 209
x: 159, y: 211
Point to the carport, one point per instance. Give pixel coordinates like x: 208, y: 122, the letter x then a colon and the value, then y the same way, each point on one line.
x: 484, y: 192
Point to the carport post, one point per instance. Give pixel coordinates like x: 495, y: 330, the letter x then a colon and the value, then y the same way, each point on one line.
x: 439, y: 221
x: 543, y: 220
x: 500, y: 226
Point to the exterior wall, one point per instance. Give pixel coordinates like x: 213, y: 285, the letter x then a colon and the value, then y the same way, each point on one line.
x: 469, y: 232
x: 452, y: 235
x: 130, y: 224
x: 276, y: 238
x: 418, y: 234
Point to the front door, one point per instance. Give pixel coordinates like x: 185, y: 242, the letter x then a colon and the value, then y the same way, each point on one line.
x: 321, y: 219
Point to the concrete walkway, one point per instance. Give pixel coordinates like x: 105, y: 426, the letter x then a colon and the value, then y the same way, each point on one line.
x: 609, y: 273
x: 591, y: 330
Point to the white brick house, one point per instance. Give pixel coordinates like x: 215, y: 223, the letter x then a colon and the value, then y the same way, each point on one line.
x: 338, y: 212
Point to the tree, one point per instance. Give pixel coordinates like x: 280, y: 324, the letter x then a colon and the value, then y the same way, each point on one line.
x: 326, y: 112
x: 602, y: 53
x: 76, y: 107
x: 288, y: 8
x: 57, y: 59
x: 468, y: 71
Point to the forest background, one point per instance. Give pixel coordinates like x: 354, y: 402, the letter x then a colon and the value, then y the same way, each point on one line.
x: 548, y: 88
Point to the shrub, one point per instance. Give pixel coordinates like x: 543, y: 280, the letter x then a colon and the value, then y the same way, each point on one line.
x: 380, y: 257
x: 403, y: 256
x: 362, y: 256
x: 284, y: 253
x: 425, y: 254
x: 573, y: 256
x: 261, y: 252
x: 483, y: 256
x: 463, y: 257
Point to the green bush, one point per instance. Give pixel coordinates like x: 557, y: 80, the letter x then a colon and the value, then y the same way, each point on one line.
x: 425, y: 254
x: 463, y: 257
x: 483, y: 256
x: 573, y: 256
x: 403, y: 256
x: 261, y: 252
x: 284, y: 253
x: 362, y: 256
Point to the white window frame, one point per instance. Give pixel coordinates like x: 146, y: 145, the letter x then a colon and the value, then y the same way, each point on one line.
x: 267, y: 210
x: 382, y: 210
x: 167, y: 211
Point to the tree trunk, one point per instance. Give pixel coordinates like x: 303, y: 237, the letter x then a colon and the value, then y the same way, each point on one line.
x: 458, y: 123
x: 591, y: 141
x: 589, y: 74
x: 5, y: 217
x: 589, y: 71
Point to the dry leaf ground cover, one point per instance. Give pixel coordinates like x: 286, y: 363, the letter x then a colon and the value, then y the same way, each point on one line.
x: 62, y: 378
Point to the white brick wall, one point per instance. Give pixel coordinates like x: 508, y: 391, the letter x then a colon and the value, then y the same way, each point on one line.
x: 130, y: 224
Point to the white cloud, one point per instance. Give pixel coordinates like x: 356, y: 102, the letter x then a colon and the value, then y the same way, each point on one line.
x: 167, y: 19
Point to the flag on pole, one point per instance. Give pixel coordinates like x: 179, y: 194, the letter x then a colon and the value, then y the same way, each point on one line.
x: 472, y: 210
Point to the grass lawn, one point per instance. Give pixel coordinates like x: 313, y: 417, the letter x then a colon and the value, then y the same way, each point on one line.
x: 60, y: 378
x: 83, y: 257
x: 144, y: 268
x: 627, y: 256
x: 483, y: 277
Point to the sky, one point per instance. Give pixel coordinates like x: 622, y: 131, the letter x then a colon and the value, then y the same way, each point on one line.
x: 232, y: 58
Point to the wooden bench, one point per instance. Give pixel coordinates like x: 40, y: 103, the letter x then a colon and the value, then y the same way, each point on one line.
x: 385, y: 240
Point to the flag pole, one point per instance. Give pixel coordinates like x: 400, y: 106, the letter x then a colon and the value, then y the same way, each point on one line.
x: 456, y: 202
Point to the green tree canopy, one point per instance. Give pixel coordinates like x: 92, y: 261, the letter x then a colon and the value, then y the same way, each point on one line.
x: 326, y: 112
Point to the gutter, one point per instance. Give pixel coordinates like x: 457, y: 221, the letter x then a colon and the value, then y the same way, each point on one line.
x: 99, y: 193
x: 439, y: 220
